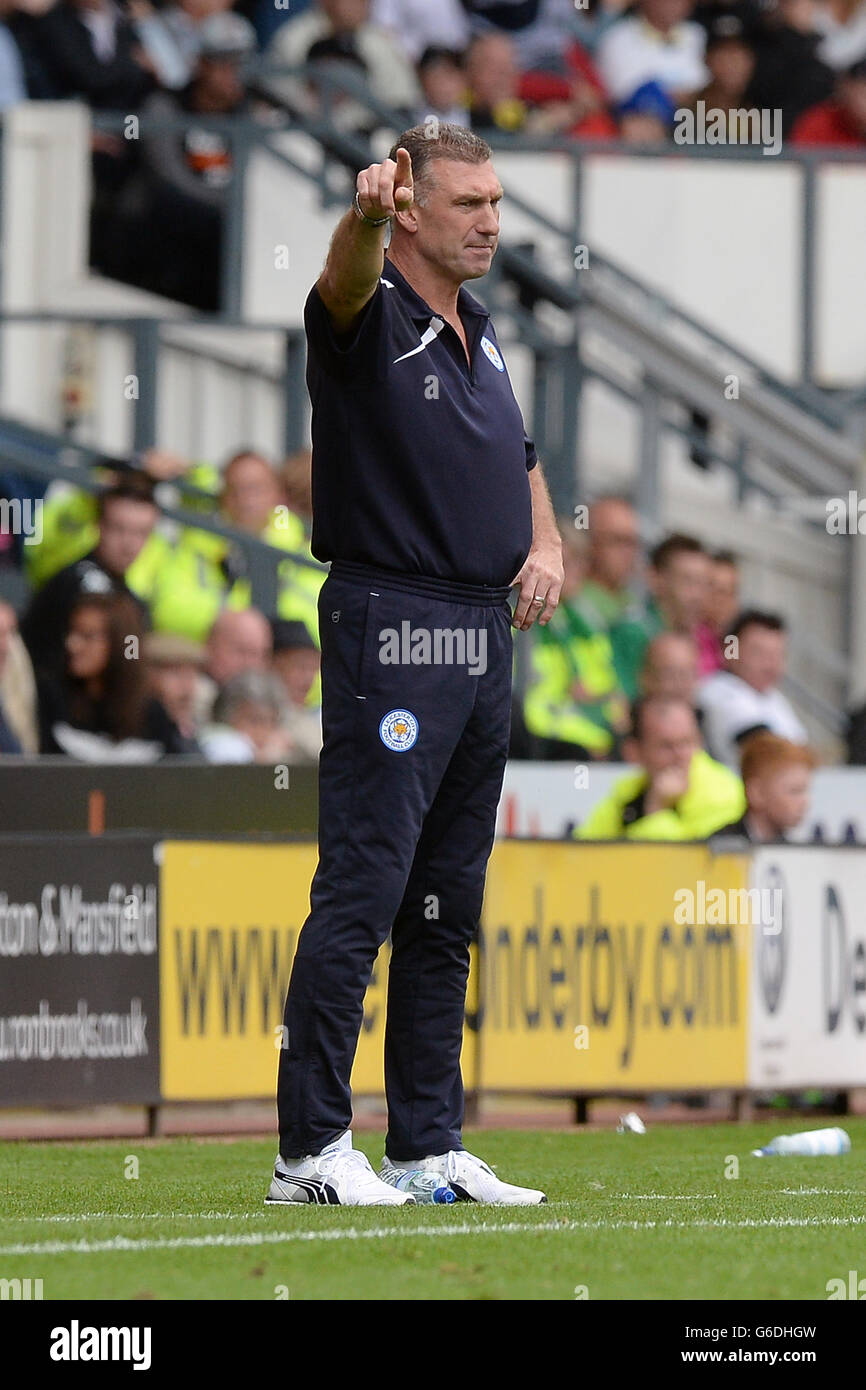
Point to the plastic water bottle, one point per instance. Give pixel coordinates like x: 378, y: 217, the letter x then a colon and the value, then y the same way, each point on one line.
x: 425, y: 1187
x: 810, y: 1141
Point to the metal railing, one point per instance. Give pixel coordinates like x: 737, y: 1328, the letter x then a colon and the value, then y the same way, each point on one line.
x: 49, y: 458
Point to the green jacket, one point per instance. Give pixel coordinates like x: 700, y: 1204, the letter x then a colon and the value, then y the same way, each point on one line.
x: 567, y: 651
x: 714, y: 798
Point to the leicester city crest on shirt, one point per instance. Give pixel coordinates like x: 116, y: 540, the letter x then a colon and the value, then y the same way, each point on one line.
x: 492, y: 351
x: 399, y: 730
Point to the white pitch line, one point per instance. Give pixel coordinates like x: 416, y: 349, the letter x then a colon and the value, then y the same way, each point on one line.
x: 824, y: 1192
x: 666, y: 1197
x: 72, y: 1216
x: 124, y: 1243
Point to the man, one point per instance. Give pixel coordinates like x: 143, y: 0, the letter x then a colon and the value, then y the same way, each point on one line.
x: 744, y: 698
x: 614, y: 547
x: 429, y: 503
x: 188, y: 172
x: 574, y: 707
x: 679, y: 793
x: 127, y: 516
x: 607, y: 603
x: 679, y: 575
x: 789, y: 75
x: 777, y: 776
x: 238, y: 642
x: 205, y: 572
x: 671, y: 667
x: 90, y: 49
x: 173, y: 665
x: 657, y: 44
x: 722, y: 598
x: 390, y: 76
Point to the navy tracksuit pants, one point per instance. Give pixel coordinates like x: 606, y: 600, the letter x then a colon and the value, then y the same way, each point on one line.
x: 409, y: 780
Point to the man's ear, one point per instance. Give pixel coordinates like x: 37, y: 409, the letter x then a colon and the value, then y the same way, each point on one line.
x: 408, y: 221
x: 631, y: 749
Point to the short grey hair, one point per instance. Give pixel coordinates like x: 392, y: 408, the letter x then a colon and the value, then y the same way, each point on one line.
x: 437, y: 139
x: 250, y: 688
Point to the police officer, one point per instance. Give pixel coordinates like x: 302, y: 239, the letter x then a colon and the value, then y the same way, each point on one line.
x: 430, y: 504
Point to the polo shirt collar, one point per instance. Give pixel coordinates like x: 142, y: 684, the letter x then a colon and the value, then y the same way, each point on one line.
x: 419, y: 308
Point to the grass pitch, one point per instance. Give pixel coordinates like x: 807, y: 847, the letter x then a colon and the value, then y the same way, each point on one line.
x: 628, y: 1217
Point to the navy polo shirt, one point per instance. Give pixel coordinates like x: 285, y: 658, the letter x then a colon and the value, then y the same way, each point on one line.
x: 420, y: 460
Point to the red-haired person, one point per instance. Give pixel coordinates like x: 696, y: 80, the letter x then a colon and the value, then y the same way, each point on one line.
x: 777, y: 776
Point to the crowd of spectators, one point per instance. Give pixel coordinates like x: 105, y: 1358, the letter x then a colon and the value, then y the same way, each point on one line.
x: 140, y: 641
x: 654, y: 662
x: 606, y: 70
x: 136, y: 643
x: 505, y: 65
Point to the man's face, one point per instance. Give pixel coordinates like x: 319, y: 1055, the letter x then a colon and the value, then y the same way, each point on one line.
x: 444, y: 84
x: 731, y: 64
x: 237, y: 643
x: 8, y: 627
x: 218, y: 80
x: 671, y: 667
x: 123, y: 531
x: 250, y: 493
x: 781, y: 794
x: 491, y: 70
x: 297, y: 668
x: 613, y: 543
x: 722, y: 598
x: 681, y: 588
x: 761, y: 659
x: 175, y: 687
x: 668, y: 739
x: 345, y: 15
x: 458, y: 223
x: 665, y: 14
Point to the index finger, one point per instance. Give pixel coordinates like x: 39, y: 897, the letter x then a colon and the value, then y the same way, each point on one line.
x: 403, y: 176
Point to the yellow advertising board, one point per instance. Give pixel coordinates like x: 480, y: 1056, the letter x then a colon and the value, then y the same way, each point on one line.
x: 602, y: 968
x: 588, y: 975
x: 230, y: 915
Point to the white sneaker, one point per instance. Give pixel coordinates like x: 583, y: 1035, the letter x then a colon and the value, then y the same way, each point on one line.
x: 338, y: 1176
x: 470, y: 1178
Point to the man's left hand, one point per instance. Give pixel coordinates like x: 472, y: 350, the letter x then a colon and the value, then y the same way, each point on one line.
x: 540, y: 583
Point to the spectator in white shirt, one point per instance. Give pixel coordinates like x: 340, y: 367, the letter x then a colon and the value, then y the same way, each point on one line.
x: 658, y: 44
x: 390, y: 75
x: 420, y: 24
x: 744, y: 699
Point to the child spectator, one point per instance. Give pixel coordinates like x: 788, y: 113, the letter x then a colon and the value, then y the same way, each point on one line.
x: 443, y: 82
x: 777, y: 776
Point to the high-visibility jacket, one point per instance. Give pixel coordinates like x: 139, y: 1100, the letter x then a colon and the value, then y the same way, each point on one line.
x: 70, y: 530
x: 567, y: 653
x: 195, y: 583
x: 714, y: 797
